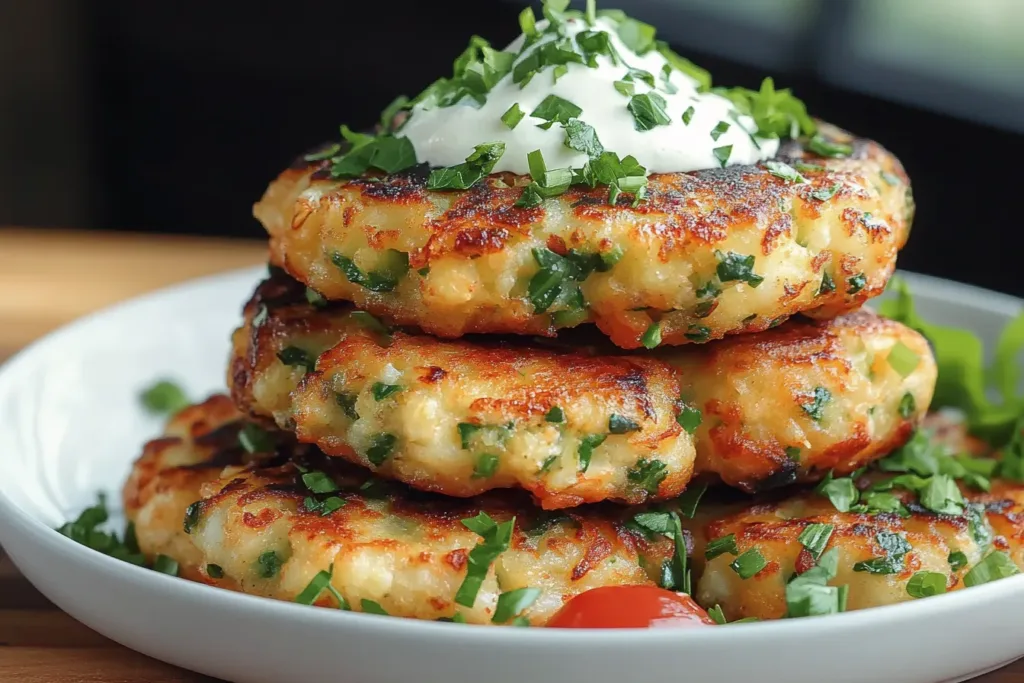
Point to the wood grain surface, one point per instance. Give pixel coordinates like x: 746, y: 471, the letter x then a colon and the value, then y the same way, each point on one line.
x: 48, y: 278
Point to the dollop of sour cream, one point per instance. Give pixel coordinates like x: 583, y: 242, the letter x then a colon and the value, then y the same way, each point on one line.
x: 445, y: 136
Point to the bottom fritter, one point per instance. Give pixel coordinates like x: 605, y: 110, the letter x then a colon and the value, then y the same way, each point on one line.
x: 270, y: 523
x: 249, y: 510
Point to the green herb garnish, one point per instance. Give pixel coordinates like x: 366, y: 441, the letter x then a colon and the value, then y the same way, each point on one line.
x: 164, y: 398
x: 496, y: 538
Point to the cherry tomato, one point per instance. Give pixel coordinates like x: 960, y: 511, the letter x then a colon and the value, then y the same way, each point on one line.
x: 630, y: 607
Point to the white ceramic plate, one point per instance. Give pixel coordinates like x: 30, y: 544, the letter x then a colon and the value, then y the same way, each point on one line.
x: 70, y: 425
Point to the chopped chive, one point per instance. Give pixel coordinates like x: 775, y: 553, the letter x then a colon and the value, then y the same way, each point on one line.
x: 496, y: 538
x: 719, y: 546
x: 908, y: 406
x: 381, y: 447
x: 486, y: 466
x: 815, y: 537
x: 512, y: 603
x: 255, y: 439
x: 749, y: 563
x: 164, y: 398
x: 688, y: 115
x: 381, y: 390
x: 652, y: 336
x: 925, y: 584
x: 214, y: 571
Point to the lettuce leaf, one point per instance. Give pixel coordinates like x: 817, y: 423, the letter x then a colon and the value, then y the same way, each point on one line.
x: 965, y: 381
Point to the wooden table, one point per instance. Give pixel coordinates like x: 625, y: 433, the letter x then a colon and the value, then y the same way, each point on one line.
x: 46, y: 279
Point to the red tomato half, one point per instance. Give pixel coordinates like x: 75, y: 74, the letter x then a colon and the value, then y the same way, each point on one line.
x: 630, y: 607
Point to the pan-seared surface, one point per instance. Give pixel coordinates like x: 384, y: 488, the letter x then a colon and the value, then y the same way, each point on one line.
x: 687, y: 258
x: 266, y: 525
x: 461, y: 418
x: 791, y: 403
x: 782, y: 406
x: 877, y: 554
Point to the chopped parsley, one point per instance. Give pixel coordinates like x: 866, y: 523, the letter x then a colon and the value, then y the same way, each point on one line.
x: 555, y: 414
x: 463, y: 176
x: 793, y: 453
x: 268, y: 564
x: 856, y: 283
x: 582, y: 137
x: 698, y: 333
x: 894, y: 547
x: 784, y: 171
x: 690, y: 498
x: 648, y: 475
x: 957, y: 560
x: 841, y: 492
x: 688, y: 115
x: 293, y: 356
x: 85, y: 530
x: 648, y: 111
x: 255, y: 439
x: 495, y: 540
x: 554, y: 109
x: 381, y: 447
x: 719, y: 130
x: 347, y: 403
x: 815, y: 407
x: 722, y: 154
x: 908, y: 406
x: 164, y: 398
x: 214, y: 571
x: 823, y: 194
x: 619, y: 424
x: 809, y: 595
x: 734, y: 267
x: 192, y: 514
x: 586, y: 449
x: 394, y: 265
x: 689, y: 418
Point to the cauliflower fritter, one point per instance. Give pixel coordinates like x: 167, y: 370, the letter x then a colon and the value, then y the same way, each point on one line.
x: 774, y: 529
x: 775, y: 408
x: 276, y: 522
x: 709, y: 253
x: 901, y: 532
x: 462, y: 418
x: 792, y: 403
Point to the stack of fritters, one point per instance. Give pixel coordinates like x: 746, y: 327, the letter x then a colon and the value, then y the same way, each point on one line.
x: 405, y: 385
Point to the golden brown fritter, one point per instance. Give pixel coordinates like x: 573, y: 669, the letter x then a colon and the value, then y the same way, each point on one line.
x: 791, y: 403
x: 268, y: 524
x: 782, y: 406
x: 877, y: 554
x: 709, y: 253
x: 774, y: 529
x: 462, y: 418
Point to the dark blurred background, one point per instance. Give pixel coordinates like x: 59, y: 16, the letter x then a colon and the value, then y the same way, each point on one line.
x: 173, y: 116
